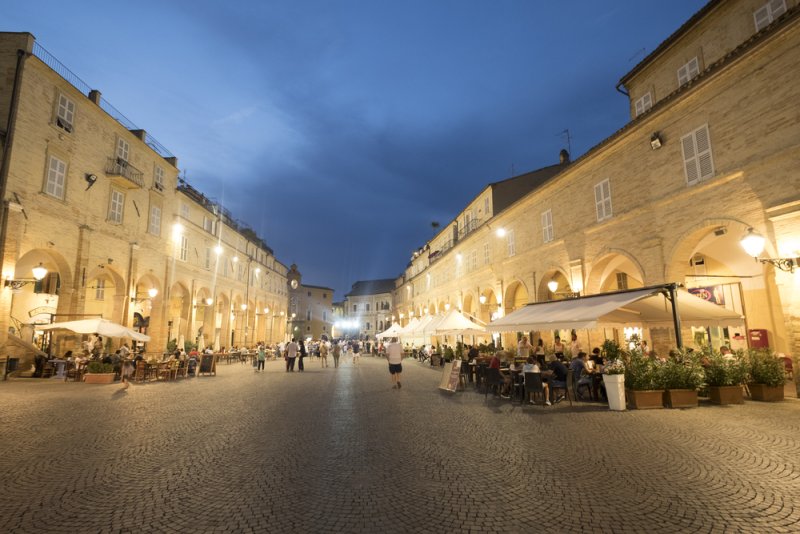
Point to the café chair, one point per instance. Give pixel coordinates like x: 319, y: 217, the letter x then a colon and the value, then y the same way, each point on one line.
x: 140, y: 373
x: 493, y: 377
x: 568, y: 389
x: 534, y: 385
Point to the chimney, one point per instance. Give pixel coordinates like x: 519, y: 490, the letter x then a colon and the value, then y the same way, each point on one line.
x: 94, y: 96
x: 563, y: 157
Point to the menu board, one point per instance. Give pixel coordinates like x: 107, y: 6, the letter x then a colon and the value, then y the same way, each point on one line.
x: 208, y: 364
x: 450, y: 374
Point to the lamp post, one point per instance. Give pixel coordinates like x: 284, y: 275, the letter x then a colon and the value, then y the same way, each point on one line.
x: 753, y: 244
x: 39, y: 272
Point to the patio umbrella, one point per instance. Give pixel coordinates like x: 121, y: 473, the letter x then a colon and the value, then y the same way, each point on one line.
x: 102, y: 327
x: 216, y: 343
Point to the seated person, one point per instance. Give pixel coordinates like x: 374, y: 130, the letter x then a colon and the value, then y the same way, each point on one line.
x: 531, y: 366
x: 495, y: 364
x: 583, y: 373
x: 559, y: 378
x: 597, y: 358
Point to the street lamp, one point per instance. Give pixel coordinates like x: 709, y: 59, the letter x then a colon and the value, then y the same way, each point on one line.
x: 753, y: 244
x: 39, y: 272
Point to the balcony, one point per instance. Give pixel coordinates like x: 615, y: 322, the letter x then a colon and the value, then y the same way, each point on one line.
x: 468, y: 228
x: 129, y: 176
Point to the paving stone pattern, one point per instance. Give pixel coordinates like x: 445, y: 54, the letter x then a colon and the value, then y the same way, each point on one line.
x: 332, y: 450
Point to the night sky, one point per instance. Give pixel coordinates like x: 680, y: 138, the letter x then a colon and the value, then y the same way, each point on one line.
x: 339, y: 130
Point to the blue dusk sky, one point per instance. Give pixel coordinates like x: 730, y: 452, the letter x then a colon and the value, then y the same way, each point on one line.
x: 340, y: 129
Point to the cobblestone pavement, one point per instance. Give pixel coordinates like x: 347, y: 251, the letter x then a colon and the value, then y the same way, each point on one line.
x: 340, y: 451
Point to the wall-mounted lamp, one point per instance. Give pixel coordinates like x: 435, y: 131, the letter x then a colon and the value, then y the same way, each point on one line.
x: 500, y: 232
x: 482, y: 299
x: 151, y: 294
x: 447, y: 307
x: 552, y: 285
x: 753, y: 244
x: 656, y: 141
x: 39, y: 272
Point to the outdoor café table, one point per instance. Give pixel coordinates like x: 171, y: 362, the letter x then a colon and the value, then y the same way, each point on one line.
x: 60, y: 366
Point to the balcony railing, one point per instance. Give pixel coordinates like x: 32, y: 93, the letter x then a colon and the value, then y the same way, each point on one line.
x: 467, y: 229
x: 120, y: 167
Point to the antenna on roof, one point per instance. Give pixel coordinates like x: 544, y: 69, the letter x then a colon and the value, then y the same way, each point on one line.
x: 568, y: 137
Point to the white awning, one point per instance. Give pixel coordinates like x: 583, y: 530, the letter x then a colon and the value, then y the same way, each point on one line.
x: 646, y: 307
x: 455, y: 323
x: 392, y: 331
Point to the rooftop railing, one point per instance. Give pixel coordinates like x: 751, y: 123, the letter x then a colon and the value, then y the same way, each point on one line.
x: 59, y: 68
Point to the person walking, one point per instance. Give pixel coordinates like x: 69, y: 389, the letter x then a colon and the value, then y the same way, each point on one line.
x: 303, y: 354
x: 337, y: 351
x: 291, y: 354
x: 394, y: 353
x: 323, y: 352
x: 262, y: 357
x: 356, y: 350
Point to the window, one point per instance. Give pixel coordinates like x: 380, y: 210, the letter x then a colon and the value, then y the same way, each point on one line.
x: 158, y: 178
x: 512, y: 246
x: 547, y: 226
x: 368, y: 326
x: 622, y: 280
x: 123, y: 149
x: 56, y: 178
x: 185, y: 210
x: 100, y: 290
x: 208, y: 224
x: 155, y: 220
x: 308, y: 315
x: 66, y: 113
x: 767, y: 13
x: 486, y: 256
x: 324, y: 316
x: 473, y: 260
x: 115, y: 208
x: 367, y: 308
x: 309, y: 293
x: 697, y: 160
x: 643, y: 104
x: 184, y: 248
x: 687, y: 72
x: 355, y: 307
x: 602, y: 200
x: 208, y: 258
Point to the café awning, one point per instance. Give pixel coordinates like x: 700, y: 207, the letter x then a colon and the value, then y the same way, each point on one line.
x: 455, y: 323
x: 392, y: 331
x: 647, y: 307
x: 103, y: 327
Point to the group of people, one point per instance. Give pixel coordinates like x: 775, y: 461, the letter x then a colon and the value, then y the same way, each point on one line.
x: 295, y: 351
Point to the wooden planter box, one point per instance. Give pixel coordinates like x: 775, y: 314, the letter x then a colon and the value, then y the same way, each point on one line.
x: 644, y: 400
x: 99, y: 378
x: 761, y: 392
x: 680, y: 398
x: 726, y: 394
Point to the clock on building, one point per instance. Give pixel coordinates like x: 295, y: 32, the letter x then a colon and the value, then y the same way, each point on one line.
x: 293, y: 283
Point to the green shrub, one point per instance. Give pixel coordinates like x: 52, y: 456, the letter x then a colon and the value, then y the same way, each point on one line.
x: 765, y: 368
x: 722, y: 371
x: 681, y: 371
x: 641, y: 372
x: 96, y: 366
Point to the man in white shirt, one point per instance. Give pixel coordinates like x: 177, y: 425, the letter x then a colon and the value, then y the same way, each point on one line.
x: 291, y: 354
x: 394, y: 353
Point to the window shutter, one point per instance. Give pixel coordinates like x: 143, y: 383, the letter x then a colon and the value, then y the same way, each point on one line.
x: 777, y: 8
x: 683, y: 75
x: 606, y: 189
x: 761, y: 17
x: 689, y: 159
x: 598, y: 200
x: 704, y: 159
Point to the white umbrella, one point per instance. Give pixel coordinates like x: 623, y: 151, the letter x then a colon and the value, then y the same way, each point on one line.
x: 216, y: 343
x: 102, y: 327
x: 455, y: 323
x: 392, y: 331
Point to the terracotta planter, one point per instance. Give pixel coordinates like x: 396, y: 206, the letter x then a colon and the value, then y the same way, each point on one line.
x: 762, y: 392
x: 644, y: 400
x: 680, y: 398
x: 99, y: 378
x: 726, y: 394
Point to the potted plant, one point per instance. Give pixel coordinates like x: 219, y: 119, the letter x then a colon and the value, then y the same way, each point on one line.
x: 681, y: 375
x: 614, y: 375
x: 642, y: 387
x: 767, y: 376
x: 725, y: 375
x: 98, y: 372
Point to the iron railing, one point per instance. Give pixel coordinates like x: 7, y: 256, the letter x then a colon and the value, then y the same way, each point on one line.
x: 120, y: 167
x: 59, y: 68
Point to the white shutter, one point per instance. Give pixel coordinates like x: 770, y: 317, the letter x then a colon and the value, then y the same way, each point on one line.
x: 777, y: 8
x: 689, y: 159
x: 598, y: 201
x: 688, y: 71
x: 606, y: 187
x: 705, y: 162
x: 683, y: 75
x: 761, y: 17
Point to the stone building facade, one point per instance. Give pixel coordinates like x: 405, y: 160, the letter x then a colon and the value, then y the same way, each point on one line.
x: 368, y: 309
x: 310, y: 308
x: 99, y: 203
x: 711, y: 151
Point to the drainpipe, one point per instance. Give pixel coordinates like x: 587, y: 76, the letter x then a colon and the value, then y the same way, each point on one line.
x: 7, y: 145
